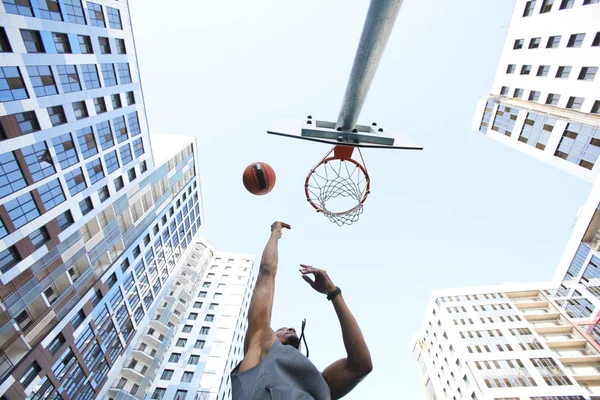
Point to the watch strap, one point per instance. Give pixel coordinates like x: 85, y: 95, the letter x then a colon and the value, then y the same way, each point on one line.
x: 331, y: 295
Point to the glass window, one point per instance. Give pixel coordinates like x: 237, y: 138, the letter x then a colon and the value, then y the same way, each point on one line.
x: 587, y: 73
x: 111, y: 161
x: 80, y: 109
x: 511, y: 69
x: 518, y: 93
x: 61, y: 41
x: 518, y: 44
x: 57, y: 115
x: 121, y: 46
x: 51, y: 194
x: 553, y: 42
x: 116, y: 101
x: 87, y: 142
x: 587, y: 2
x: 75, y: 181
x: 86, y: 205
x: 9, y: 257
x: 552, y: 99
x: 167, y: 374
x: 138, y: 147
x: 187, y: 376
x: 125, y: 152
x: 114, y: 18
x: 534, y: 95
x: 95, y: 171
x: 529, y: 6
x: 22, y: 210
x: 546, y: 6
x: 534, y: 43
x: 199, y: 344
x: 74, y: 11
x: 108, y: 74
x: 525, y: 69
x: 204, y: 330
x: 576, y: 40
x: 181, y: 342
x: 65, y: 150
x: 194, y: 359
x: 124, y: 73
x: 42, y: 81
x: 30, y: 374
x: 193, y: 316
x: 174, y: 357
x: 131, y: 175
x: 134, y: 123
x: 96, y: 15
x: 551, y: 372
x: 49, y: 9
x: 64, y: 220
x: 18, y: 7
x: 575, y: 103
x: 104, y: 45
x: 11, y: 177
x: 90, y: 76
x: 85, y: 44
x: 28, y: 122
x: 566, y: 4
x: 543, y: 70
x: 119, y: 183
x: 180, y: 394
x: 39, y: 161
x: 103, y: 193
x: 596, y: 107
x: 12, y: 86
x: 33, y: 41
x: 143, y: 167
x: 580, y: 145
x: 596, y: 41
x: 563, y: 72
x: 100, y: 104
x: 105, y: 135
x: 130, y: 98
x: 159, y: 394
x: 4, y: 43
x: 504, y: 90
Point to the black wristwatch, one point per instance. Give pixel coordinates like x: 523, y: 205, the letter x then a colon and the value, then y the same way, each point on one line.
x: 331, y: 295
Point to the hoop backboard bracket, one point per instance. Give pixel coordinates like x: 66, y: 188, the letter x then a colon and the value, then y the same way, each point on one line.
x: 365, y: 136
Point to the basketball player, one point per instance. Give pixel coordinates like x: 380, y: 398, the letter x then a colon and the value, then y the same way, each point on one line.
x: 273, y: 367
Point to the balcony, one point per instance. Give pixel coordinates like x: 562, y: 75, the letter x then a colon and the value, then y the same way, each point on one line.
x: 131, y: 374
x: 552, y: 327
x: 531, y: 302
x: 580, y: 359
x: 120, y: 394
x: 540, y: 315
x: 592, y: 234
x: 142, y: 356
x: 567, y: 344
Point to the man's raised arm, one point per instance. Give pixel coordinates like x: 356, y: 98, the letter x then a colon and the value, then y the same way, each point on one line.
x: 260, y: 336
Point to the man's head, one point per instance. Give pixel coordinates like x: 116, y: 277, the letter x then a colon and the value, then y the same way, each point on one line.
x: 288, y: 336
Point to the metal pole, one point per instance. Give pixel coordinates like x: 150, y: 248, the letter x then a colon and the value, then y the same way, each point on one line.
x: 376, y: 32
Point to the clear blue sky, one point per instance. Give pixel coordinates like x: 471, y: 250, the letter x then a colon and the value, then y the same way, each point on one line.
x: 465, y: 211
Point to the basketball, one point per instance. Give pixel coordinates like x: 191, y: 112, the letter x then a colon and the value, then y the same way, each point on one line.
x: 259, y: 178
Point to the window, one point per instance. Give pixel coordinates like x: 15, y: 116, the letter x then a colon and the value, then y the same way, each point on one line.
x: 209, y: 318
x: 174, y: 357
x: 39, y: 237
x: 19, y: 7
x: 193, y: 316
x: 42, y: 81
x: 74, y: 11
x: 30, y: 374
x: 206, y: 284
x: 56, y: 344
x: 33, y: 41
x: 143, y: 167
x: 199, y: 344
x: 587, y: 2
x: 194, y: 359
x: 91, y: 78
x: 596, y: 107
x: 587, y: 73
x: 167, y: 374
x: 534, y: 43
x: 181, y: 342
x: 180, y: 394
x: 100, y: 104
x: 204, y: 330
x: 4, y: 43
x: 65, y: 150
x: 580, y: 145
x: 51, y: 294
x: 87, y: 142
x: 121, y: 46
x: 95, y: 171
x: 187, y: 328
x: 552, y: 99
x: 202, y: 294
x: 64, y: 220
x: 504, y: 90
x: 12, y: 86
x: 529, y: 6
x: 104, y: 45
x: 518, y: 93
x: 518, y: 44
x: 39, y: 161
x: 104, y: 194
x: 96, y: 15
x: 9, y: 257
x: 134, y: 123
x: 131, y: 175
x: 504, y: 120
x: 114, y: 18
x: 575, y: 103
x: 28, y: 122
x: 75, y: 181
x: 85, y: 44
x: 566, y: 4
x: 217, y: 296
x: 57, y: 115
x: 213, y: 306
x: 551, y: 372
x: 511, y: 69
x: 553, y: 42
x: 563, y: 72
x: 198, y: 304
x: 576, y: 40
x: 187, y: 376
x: 596, y: 41
x: 159, y: 394
x: 49, y: 9
x: 22, y: 210
x: 116, y: 102
x: 130, y: 98
x: 525, y: 69
x: 80, y: 110
x: 546, y: 6
x: 124, y: 73
x: 125, y: 152
x: 108, y: 74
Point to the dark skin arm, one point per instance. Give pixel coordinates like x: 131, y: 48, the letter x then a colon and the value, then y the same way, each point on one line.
x: 344, y: 374
x: 260, y: 336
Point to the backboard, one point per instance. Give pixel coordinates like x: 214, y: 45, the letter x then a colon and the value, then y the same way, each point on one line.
x: 365, y: 136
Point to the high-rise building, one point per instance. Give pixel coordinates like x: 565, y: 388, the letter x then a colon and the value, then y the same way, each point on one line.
x: 545, y: 99
x: 92, y: 222
x: 195, y: 334
x: 508, y: 342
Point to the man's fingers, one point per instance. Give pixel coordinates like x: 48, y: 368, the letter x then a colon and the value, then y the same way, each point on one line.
x: 284, y: 225
x: 309, y: 280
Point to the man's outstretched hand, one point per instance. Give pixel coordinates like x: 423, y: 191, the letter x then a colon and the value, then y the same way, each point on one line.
x: 277, y: 227
x: 322, y: 282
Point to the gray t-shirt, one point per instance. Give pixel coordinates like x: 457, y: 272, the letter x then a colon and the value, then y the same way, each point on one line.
x: 284, y: 374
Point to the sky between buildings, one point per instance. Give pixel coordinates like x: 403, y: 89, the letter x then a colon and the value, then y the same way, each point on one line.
x: 465, y: 211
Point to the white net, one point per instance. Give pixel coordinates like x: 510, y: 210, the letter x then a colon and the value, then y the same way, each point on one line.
x: 338, y: 188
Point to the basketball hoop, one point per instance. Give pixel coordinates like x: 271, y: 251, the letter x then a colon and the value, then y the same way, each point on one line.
x: 338, y: 186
